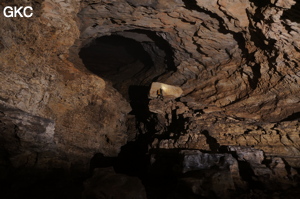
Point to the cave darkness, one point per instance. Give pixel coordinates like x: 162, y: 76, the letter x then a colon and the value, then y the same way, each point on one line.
x: 128, y: 59
x: 115, y: 58
x: 131, y: 61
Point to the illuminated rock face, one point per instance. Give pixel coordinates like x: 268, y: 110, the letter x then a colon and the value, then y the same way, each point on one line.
x: 234, y: 66
x: 164, y: 91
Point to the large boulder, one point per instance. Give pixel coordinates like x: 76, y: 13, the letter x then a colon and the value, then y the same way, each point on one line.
x: 164, y: 90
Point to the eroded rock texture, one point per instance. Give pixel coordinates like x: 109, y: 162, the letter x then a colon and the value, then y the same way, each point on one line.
x: 87, y: 116
x: 69, y: 91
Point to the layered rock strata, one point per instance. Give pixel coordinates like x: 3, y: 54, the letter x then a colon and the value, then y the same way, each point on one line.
x: 237, y: 63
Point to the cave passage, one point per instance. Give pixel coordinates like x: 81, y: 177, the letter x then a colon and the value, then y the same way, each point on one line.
x: 131, y: 61
x: 115, y: 58
x: 128, y: 58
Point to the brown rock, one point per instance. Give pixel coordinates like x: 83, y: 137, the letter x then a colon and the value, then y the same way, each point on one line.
x: 237, y: 63
x: 164, y: 91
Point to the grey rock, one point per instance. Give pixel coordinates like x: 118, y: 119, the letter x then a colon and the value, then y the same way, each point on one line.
x: 196, y: 160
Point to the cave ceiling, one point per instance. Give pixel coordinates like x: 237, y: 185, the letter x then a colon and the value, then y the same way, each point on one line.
x: 237, y: 63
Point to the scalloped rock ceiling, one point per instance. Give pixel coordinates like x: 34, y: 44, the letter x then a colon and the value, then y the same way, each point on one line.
x: 236, y: 61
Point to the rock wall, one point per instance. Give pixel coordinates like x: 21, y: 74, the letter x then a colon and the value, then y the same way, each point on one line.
x: 225, y: 57
x: 40, y: 87
x: 236, y: 62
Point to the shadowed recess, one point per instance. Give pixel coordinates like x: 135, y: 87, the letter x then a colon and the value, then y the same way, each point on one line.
x: 292, y: 14
x: 115, y: 58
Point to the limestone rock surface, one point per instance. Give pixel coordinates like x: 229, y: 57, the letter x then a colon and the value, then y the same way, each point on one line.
x: 74, y: 114
x: 237, y: 63
x: 164, y: 91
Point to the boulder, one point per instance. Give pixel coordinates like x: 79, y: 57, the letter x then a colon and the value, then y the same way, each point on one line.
x: 164, y: 90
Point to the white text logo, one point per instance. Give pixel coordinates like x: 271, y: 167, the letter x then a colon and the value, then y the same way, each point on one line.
x: 15, y: 11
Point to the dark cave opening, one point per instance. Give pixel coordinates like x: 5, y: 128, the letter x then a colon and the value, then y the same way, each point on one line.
x: 128, y: 58
x: 115, y: 58
x: 131, y: 61
x: 163, y: 48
